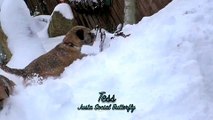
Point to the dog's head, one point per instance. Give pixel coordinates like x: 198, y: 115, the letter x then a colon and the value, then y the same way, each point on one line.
x: 78, y: 36
x: 6, y: 89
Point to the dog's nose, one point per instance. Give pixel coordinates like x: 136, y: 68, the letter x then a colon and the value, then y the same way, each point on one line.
x: 93, y: 35
x: 1, y: 104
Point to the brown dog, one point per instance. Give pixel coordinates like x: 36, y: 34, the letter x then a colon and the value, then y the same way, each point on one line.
x: 54, y: 62
x: 6, y: 89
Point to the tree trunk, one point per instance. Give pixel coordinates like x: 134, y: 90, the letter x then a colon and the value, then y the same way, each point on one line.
x: 129, y: 11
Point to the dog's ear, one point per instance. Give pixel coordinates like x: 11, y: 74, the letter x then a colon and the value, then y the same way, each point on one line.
x: 80, y: 34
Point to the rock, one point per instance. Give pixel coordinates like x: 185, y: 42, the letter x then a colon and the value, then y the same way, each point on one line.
x: 5, y: 53
x: 59, y: 25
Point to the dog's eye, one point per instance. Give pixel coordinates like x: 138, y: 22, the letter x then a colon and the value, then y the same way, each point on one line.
x: 80, y: 34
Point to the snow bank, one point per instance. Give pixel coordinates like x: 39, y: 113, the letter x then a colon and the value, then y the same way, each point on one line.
x: 1, y: 1
x: 20, y: 28
x: 163, y: 68
x: 40, y: 22
x: 15, y: 18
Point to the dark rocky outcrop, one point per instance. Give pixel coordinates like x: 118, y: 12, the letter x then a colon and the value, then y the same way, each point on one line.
x: 59, y: 25
x: 5, y: 53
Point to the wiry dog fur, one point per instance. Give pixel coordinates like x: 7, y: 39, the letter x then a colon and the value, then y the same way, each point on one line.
x: 6, y: 89
x: 54, y: 62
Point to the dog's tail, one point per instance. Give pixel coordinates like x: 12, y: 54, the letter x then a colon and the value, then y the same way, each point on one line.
x: 18, y: 72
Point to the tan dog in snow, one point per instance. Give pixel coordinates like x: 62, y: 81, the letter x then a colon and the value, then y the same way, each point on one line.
x: 54, y: 62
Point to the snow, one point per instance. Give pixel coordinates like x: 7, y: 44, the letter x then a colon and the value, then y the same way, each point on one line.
x: 9, y: 18
x: 164, y: 69
x: 65, y: 10
x: 40, y: 22
x: 20, y: 31
x: 1, y: 1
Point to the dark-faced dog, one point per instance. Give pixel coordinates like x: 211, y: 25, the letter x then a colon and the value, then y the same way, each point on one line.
x: 54, y: 62
x: 6, y: 89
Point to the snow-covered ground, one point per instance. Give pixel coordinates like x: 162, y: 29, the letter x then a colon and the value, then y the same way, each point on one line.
x: 164, y: 68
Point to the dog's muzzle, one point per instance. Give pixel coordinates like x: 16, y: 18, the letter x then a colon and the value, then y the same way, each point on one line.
x: 93, y: 36
x: 91, y: 40
x: 1, y: 104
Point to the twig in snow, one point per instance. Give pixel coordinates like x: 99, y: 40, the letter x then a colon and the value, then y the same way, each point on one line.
x: 119, y: 32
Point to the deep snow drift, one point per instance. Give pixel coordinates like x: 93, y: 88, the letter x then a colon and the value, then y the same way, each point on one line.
x: 164, y: 68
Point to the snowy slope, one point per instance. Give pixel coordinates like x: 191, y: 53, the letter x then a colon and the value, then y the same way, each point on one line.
x: 163, y: 68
